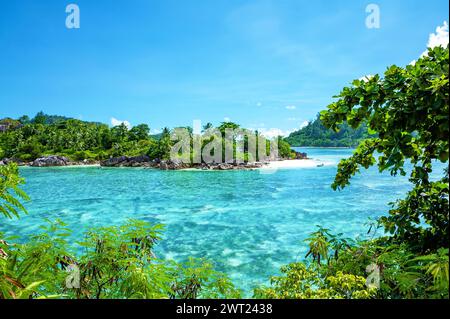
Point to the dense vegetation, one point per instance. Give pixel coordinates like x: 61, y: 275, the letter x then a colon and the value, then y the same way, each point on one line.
x: 73, y: 138
x: 26, y: 139
x: 409, y: 111
x: 115, y: 262
x: 316, y: 134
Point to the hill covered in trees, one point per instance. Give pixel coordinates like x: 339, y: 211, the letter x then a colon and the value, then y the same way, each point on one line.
x: 315, y: 134
x: 25, y: 139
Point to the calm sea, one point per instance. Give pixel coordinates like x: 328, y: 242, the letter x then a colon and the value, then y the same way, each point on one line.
x: 246, y: 222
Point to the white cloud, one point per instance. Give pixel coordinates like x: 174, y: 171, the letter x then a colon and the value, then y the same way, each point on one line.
x: 115, y: 122
x: 303, y: 124
x: 366, y: 78
x: 290, y: 107
x: 274, y: 132
x: 297, y: 119
x: 439, y: 38
x: 226, y: 119
x: 155, y: 131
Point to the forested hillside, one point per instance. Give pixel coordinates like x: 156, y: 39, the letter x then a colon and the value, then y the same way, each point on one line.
x: 25, y: 139
x: 315, y: 134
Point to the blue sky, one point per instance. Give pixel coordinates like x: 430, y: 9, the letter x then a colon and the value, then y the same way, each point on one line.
x: 263, y: 64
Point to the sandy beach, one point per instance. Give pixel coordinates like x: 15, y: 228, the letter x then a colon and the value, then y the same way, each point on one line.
x: 290, y: 164
x: 274, y: 165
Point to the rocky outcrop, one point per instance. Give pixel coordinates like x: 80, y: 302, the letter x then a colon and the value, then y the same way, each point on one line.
x: 224, y: 167
x: 144, y: 161
x: 5, y: 161
x: 125, y: 161
x: 52, y: 160
x: 300, y: 155
x: 86, y: 162
x: 173, y: 165
x: 163, y: 165
x: 235, y: 166
x: 254, y: 165
x: 137, y: 161
x: 141, y: 161
x: 114, y: 161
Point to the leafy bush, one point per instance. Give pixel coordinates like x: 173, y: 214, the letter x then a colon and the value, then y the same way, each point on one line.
x: 10, y: 192
x: 112, y: 262
x: 409, y: 111
x: 116, y: 262
x: 338, y: 268
x: 302, y: 282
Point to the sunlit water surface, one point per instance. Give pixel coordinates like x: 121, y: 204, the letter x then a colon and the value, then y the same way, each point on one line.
x: 247, y: 222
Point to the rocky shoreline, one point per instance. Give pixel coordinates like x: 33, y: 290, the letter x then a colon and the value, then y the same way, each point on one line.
x: 49, y: 161
x: 141, y: 161
x: 145, y: 161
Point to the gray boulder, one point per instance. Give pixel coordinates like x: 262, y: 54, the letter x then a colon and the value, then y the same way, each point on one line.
x: 52, y: 160
x: 173, y: 165
x: 224, y: 167
x: 5, y: 161
x: 254, y: 165
x: 141, y: 160
x: 163, y: 165
x: 133, y: 161
x: 300, y: 155
x: 114, y: 161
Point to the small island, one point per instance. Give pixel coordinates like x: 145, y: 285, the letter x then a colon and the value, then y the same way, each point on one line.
x: 323, y: 172
x: 52, y: 140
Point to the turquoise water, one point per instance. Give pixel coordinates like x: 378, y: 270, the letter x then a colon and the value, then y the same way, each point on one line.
x: 248, y: 223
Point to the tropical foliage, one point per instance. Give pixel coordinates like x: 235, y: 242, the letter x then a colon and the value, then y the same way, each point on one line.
x: 336, y: 267
x: 108, y: 262
x: 26, y: 140
x: 74, y: 138
x: 408, y: 113
x: 316, y: 134
x: 10, y: 192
